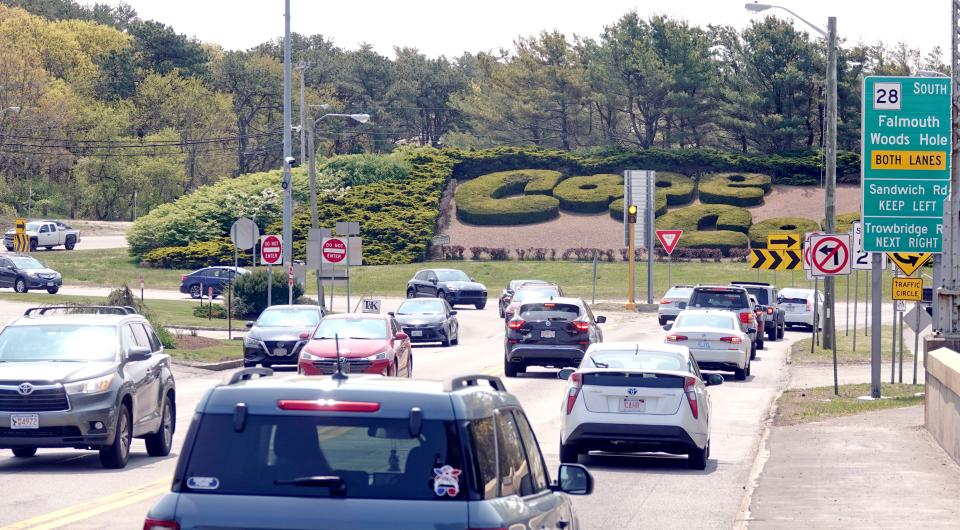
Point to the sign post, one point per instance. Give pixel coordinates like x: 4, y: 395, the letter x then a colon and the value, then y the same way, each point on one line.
x: 333, y: 251
x: 348, y: 229
x: 669, y: 240
x: 631, y: 223
x: 271, y: 253
x: 244, y: 233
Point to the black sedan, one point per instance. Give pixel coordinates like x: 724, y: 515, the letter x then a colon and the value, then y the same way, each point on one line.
x: 199, y: 282
x: 274, y: 339
x: 429, y: 320
x: 452, y: 285
x: 24, y: 273
x: 512, y: 287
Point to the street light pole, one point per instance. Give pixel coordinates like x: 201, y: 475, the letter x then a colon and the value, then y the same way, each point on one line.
x: 829, y: 207
x: 287, y: 148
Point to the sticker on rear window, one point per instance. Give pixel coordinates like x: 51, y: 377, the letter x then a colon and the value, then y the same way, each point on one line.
x: 203, y: 483
x: 446, y: 481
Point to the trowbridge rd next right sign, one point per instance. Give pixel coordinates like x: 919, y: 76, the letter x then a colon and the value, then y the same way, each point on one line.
x: 906, y: 162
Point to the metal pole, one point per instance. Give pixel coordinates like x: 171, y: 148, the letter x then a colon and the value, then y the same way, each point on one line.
x: 856, y: 296
x: 893, y: 342
x: 875, y: 360
x: 829, y: 323
x: 348, y: 271
x: 937, y: 283
x: 916, y: 339
x: 651, y: 181
x: 333, y: 275
x: 593, y: 297
x: 900, y: 370
x: 631, y: 247
x: 846, y: 329
x: 813, y: 338
x: 866, y: 303
x: 303, y: 105
x: 230, y: 297
x: 269, y: 285
x: 287, y: 148
x: 312, y: 170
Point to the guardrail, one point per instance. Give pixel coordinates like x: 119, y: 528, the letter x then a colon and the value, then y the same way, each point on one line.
x: 942, y: 401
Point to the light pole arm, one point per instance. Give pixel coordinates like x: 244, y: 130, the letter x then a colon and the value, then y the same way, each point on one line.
x: 805, y: 21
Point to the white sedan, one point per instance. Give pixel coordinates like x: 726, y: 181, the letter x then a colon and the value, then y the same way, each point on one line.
x: 633, y: 398
x: 714, y: 339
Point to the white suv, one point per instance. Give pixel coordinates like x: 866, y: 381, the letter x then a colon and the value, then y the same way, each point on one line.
x: 628, y: 398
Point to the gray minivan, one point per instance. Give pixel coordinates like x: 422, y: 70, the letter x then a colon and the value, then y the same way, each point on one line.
x: 364, y: 452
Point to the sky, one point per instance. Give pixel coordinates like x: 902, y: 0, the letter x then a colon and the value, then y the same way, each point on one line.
x: 450, y: 27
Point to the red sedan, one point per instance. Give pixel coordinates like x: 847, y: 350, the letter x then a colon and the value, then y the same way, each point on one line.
x: 369, y: 344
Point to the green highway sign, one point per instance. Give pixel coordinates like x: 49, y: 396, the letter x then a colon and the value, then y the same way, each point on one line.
x: 906, y: 146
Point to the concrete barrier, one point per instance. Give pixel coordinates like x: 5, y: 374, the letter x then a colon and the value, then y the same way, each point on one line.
x: 942, y: 402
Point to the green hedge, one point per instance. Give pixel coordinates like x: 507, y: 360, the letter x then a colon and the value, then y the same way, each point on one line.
x: 616, y: 208
x: 195, y: 255
x: 844, y: 222
x: 738, y: 189
x: 496, y: 198
x: 676, y: 188
x: 725, y: 240
x: 354, y: 170
x: 759, y: 232
x: 589, y: 194
x: 696, y: 217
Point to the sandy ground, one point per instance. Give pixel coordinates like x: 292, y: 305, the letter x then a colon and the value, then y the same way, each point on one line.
x: 601, y: 231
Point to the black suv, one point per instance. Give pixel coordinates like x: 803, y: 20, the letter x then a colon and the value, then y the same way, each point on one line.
x: 24, y: 273
x: 450, y: 284
x: 366, y: 452
x: 730, y: 298
x: 553, y: 333
x: 87, y: 377
x: 774, y: 323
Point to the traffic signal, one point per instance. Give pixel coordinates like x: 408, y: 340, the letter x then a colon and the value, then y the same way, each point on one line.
x: 632, y: 213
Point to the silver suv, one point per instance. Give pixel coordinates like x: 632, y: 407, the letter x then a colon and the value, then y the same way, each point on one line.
x: 364, y: 452
x: 87, y: 377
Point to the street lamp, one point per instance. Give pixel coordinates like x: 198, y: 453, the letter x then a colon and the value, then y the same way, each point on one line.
x: 829, y: 331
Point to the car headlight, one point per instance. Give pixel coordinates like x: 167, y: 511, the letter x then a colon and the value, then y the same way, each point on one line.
x: 453, y: 288
x: 309, y: 356
x: 253, y: 342
x: 90, y: 386
x: 380, y: 355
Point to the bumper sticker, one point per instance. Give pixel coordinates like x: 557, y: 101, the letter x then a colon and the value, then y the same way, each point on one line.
x: 446, y: 481
x: 203, y: 483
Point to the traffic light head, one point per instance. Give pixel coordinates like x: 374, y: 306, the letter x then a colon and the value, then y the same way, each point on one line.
x: 632, y: 213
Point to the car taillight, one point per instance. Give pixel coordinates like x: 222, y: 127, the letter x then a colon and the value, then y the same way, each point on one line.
x: 689, y: 388
x: 328, y: 405
x: 576, y: 378
x: 581, y: 326
x: 183, y: 278
x: 664, y: 301
x: 745, y: 317
x: 731, y: 340
x: 673, y: 337
x: 515, y: 324
x: 157, y: 524
x: 769, y: 310
x: 809, y: 305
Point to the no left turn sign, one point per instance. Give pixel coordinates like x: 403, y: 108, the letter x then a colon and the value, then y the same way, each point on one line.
x: 830, y: 254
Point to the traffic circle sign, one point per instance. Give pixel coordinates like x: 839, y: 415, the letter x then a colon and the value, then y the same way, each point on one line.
x: 333, y: 250
x: 830, y: 254
x: 271, y: 250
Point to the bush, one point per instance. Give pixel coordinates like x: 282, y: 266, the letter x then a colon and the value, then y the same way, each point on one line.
x: 704, y: 216
x: 354, y: 170
x: 616, y: 208
x: 677, y: 189
x: 844, y: 222
x: 738, y: 189
x: 724, y: 240
x: 251, y: 290
x: 220, y: 310
x: 123, y: 296
x: 589, y: 194
x: 759, y: 232
x: 485, y: 200
x: 196, y: 255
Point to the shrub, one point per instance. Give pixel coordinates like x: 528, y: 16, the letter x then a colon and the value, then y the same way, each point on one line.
x: 759, y: 232
x: 486, y: 200
x: 220, y: 310
x: 251, y: 290
x: 844, y: 221
x: 589, y: 194
x: 452, y: 251
x: 738, y: 189
x: 616, y: 208
x: 724, y: 240
x: 704, y: 216
x: 196, y: 255
x: 676, y: 189
x: 123, y: 296
x: 354, y: 170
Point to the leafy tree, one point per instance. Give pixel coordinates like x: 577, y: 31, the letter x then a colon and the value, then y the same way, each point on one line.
x: 161, y: 49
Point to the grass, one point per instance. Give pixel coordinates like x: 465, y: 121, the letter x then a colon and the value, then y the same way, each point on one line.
x: 812, y: 404
x: 107, y: 268
x: 800, y: 352
x: 226, y: 350
x: 170, y: 312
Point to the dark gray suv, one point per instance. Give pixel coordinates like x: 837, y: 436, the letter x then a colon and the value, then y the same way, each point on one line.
x: 364, y: 452
x: 86, y: 377
x: 453, y: 285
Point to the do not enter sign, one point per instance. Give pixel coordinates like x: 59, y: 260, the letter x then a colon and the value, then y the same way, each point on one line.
x: 333, y: 250
x: 271, y: 250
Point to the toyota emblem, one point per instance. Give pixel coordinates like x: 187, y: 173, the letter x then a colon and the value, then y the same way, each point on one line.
x: 632, y: 391
x: 25, y: 389
x: 548, y: 323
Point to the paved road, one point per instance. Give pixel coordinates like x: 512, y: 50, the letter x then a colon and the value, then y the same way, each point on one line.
x: 87, y: 243
x: 66, y: 488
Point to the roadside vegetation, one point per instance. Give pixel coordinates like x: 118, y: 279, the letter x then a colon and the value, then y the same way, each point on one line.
x: 814, y: 404
x: 800, y: 351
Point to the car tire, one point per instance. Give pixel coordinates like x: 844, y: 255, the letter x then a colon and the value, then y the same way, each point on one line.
x: 248, y: 364
x: 697, y: 458
x: 760, y: 343
x: 160, y: 442
x: 748, y: 369
x: 53, y: 290
x: 479, y: 306
x: 569, y: 454
x: 511, y: 369
x: 410, y: 367
x: 740, y: 374
x: 781, y: 331
x: 33, y: 245
x: 411, y: 293
x: 446, y: 338
x: 115, y: 455
x: 753, y: 351
x: 456, y: 339
x: 70, y: 243
x: 396, y: 369
x: 772, y: 334
x: 195, y: 291
x: 24, y: 452
x: 446, y: 296
x: 20, y: 285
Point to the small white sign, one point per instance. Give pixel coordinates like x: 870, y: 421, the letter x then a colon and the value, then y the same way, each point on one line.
x: 371, y: 306
x: 886, y: 96
x: 863, y: 260
x: 901, y: 305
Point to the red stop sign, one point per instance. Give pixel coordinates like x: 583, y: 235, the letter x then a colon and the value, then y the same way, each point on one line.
x: 271, y: 250
x: 334, y: 250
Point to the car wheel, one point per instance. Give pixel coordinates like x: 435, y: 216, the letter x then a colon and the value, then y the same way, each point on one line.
x: 160, y: 442
x: 195, y: 291
x: 759, y: 343
x: 53, y: 290
x: 480, y: 306
x: 446, y: 338
x: 115, y: 455
x: 248, y: 364
x: 456, y: 338
x: 740, y: 374
x: 748, y: 368
x: 753, y: 351
x: 33, y: 245
x: 20, y: 285
x: 410, y: 367
x: 70, y: 243
x: 501, y: 311
x: 510, y: 369
x: 781, y: 330
x: 697, y: 458
x: 446, y: 296
x: 24, y: 452
x: 772, y: 334
x: 396, y: 369
x: 411, y: 293
x: 569, y: 454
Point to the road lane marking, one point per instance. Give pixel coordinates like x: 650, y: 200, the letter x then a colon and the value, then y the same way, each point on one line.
x: 92, y: 508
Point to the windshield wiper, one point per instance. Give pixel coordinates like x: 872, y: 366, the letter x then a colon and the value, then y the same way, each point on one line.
x: 599, y: 365
x: 336, y: 484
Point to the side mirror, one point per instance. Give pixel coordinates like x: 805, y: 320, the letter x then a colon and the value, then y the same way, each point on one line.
x: 779, y: 299
x: 304, y: 335
x: 249, y: 323
x: 433, y: 281
x: 714, y: 379
x: 751, y: 330
x: 601, y: 319
x: 453, y: 312
x: 401, y: 336
x: 565, y: 373
x: 391, y: 313
x: 574, y: 480
x: 758, y: 307
x: 138, y: 353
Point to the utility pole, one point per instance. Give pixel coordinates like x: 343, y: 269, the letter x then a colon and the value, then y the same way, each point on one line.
x: 312, y: 170
x: 287, y: 149
x: 829, y: 207
x: 303, y: 133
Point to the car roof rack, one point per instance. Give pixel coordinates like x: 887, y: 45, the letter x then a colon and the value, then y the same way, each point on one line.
x: 95, y: 309
x: 466, y: 381
x: 247, y: 374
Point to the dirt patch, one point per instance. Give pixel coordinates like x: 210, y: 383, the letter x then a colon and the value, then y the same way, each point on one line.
x: 100, y: 228
x: 195, y: 342
x: 805, y: 201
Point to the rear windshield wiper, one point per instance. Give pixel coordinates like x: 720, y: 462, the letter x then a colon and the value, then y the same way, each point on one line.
x: 336, y: 484
x: 599, y: 365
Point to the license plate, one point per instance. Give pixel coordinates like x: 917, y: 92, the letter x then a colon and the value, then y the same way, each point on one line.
x: 548, y: 334
x: 416, y: 333
x: 24, y: 421
x: 703, y: 345
x: 49, y: 284
x: 279, y: 351
x: 631, y: 404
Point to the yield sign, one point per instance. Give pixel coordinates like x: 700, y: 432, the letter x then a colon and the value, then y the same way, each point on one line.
x: 909, y: 262
x: 830, y: 254
x: 669, y: 239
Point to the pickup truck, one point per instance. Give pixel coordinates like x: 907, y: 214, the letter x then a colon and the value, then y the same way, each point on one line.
x: 46, y: 234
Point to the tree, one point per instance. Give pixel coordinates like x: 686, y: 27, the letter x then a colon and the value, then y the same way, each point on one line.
x: 162, y: 50
x: 426, y: 86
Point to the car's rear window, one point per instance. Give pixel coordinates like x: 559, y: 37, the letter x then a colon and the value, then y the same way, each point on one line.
x: 679, y: 292
x: 759, y: 293
x: 531, y: 293
x: 795, y: 296
x: 634, y: 360
x: 707, y: 321
x: 549, y: 311
x: 374, y: 458
x: 718, y: 299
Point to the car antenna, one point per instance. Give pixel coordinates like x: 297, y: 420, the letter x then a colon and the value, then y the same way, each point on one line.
x: 338, y: 372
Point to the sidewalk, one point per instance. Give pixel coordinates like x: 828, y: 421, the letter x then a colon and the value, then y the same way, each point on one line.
x: 874, y: 470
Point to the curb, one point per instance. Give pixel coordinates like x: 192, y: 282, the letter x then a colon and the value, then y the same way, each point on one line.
x: 213, y: 367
